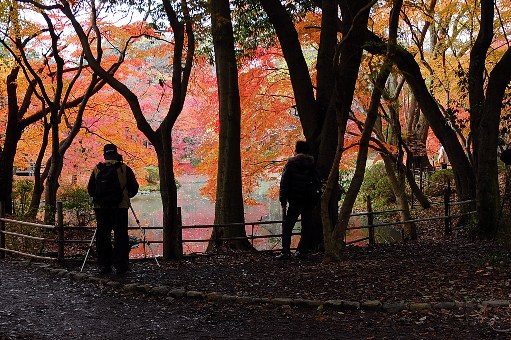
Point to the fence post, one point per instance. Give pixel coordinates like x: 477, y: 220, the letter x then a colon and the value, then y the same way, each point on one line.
x: 252, y: 236
x: 447, y: 209
x: 180, y: 230
x: 60, y: 231
x: 2, y: 229
x: 370, y: 220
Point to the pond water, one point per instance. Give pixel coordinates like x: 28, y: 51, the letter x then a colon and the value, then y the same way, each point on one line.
x: 197, y: 210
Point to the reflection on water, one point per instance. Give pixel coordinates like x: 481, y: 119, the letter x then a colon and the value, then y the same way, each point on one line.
x: 197, y: 210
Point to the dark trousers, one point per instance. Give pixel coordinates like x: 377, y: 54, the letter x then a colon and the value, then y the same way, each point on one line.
x: 115, y: 219
x: 294, y: 210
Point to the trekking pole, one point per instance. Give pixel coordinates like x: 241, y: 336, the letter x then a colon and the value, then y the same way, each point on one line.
x: 88, y: 250
x: 144, y: 237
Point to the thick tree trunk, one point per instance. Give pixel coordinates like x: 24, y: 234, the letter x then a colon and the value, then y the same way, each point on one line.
x: 488, y: 196
x: 350, y: 56
x: 168, y: 192
x: 229, y: 197
x: 12, y: 137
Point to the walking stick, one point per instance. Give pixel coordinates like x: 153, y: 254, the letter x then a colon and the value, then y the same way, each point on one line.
x: 144, y: 237
x: 88, y: 250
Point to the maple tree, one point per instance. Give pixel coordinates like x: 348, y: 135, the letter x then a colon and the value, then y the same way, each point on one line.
x: 440, y: 88
x: 58, y: 82
x: 160, y: 138
x: 265, y: 145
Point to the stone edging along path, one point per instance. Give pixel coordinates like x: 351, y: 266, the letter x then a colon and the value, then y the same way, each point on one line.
x: 175, y: 293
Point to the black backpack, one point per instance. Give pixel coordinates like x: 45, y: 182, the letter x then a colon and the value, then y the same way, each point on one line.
x: 108, y: 191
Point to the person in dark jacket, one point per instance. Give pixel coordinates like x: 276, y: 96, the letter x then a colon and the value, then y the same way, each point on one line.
x: 294, y: 189
x: 114, y: 218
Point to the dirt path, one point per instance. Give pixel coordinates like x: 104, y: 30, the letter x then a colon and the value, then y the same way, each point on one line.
x: 35, y: 304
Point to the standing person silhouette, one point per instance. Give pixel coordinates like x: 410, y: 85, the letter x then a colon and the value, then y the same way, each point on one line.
x: 295, y: 190
x: 112, y: 184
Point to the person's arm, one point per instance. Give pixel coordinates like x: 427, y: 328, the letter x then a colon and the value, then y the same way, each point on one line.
x: 91, y: 186
x: 284, y: 183
x: 131, y: 182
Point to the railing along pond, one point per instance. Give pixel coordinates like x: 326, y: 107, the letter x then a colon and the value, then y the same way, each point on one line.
x: 60, y: 240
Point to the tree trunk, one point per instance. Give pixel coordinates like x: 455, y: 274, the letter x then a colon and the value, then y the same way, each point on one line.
x: 488, y: 196
x: 229, y: 197
x: 52, y: 181
x: 168, y: 192
x: 398, y: 185
x: 12, y: 137
x: 405, y: 61
x: 348, y: 63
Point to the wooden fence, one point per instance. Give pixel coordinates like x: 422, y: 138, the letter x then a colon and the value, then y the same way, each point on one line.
x: 60, y: 241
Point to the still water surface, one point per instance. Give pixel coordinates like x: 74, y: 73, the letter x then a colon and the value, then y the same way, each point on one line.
x: 197, y: 210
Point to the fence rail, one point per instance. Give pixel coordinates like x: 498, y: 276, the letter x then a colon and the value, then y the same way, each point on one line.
x: 59, y: 239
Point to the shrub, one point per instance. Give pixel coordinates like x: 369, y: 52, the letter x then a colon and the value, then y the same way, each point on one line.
x: 377, y: 185
x: 77, y: 205
x: 21, y: 196
x: 152, y: 176
x: 437, y: 182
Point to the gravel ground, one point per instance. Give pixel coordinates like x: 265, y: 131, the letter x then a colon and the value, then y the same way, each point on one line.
x: 36, y: 304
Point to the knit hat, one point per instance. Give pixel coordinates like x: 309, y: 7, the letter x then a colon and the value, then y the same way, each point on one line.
x: 110, y: 149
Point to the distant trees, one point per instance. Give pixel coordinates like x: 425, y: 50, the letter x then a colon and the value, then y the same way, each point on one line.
x: 449, y: 57
x: 161, y: 137
x: 50, y: 91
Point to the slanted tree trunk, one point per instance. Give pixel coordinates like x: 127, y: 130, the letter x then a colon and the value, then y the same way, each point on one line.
x: 38, y: 177
x: 355, y: 16
x: 405, y: 61
x: 317, y: 114
x: 229, y: 197
x: 485, y: 109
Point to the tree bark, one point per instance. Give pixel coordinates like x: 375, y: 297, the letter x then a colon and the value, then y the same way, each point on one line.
x: 317, y: 114
x: 355, y: 17
x: 488, y: 196
x: 229, y: 196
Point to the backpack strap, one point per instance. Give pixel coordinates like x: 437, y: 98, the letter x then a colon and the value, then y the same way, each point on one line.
x: 100, y: 166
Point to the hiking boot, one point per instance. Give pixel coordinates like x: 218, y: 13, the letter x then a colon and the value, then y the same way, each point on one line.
x: 105, y: 270
x: 283, y: 256
x: 300, y: 255
x: 121, y: 271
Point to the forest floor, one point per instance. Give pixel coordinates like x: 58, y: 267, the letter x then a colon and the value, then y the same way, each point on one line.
x: 36, y: 304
